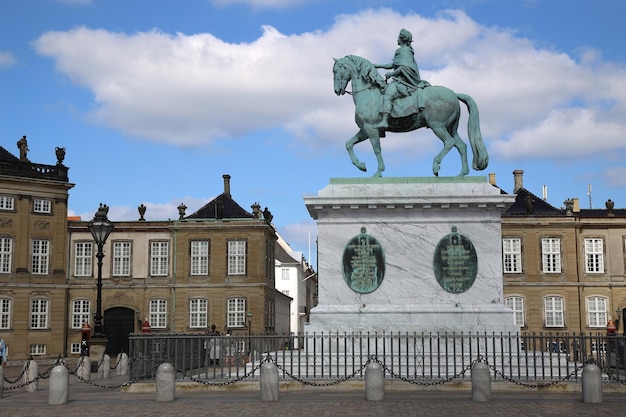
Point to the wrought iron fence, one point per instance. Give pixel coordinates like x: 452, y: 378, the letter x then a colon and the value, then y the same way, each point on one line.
x: 406, y: 356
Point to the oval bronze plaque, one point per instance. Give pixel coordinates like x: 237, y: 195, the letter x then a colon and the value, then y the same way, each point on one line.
x: 455, y: 262
x: 363, y: 263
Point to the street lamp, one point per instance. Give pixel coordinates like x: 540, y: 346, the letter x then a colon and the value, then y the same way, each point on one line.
x: 100, y: 228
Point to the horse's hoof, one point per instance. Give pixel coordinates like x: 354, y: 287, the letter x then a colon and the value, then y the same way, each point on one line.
x: 362, y: 167
x: 436, y: 174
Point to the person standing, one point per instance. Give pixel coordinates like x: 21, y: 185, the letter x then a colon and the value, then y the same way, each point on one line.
x: 3, y: 352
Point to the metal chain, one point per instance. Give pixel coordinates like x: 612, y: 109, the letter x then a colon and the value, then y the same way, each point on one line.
x: 460, y: 375
x: 539, y: 385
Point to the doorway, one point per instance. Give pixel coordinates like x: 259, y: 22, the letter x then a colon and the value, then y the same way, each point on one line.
x: 119, y: 322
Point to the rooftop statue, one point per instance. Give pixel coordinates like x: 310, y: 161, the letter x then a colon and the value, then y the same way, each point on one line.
x: 406, y: 103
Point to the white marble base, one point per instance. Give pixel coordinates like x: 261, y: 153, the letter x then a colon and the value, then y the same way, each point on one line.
x: 408, y: 217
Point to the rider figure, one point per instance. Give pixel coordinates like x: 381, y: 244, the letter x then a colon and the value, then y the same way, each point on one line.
x: 406, y: 76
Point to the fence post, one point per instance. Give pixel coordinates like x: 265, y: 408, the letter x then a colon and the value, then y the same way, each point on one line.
x: 592, y: 384
x: 481, y: 382
x: 165, y: 382
x: 31, y: 375
x: 269, y: 382
x: 58, y: 390
x: 83, y: 372
x: 104, y: 370
x: 374, y: 382
x: 122, y: 364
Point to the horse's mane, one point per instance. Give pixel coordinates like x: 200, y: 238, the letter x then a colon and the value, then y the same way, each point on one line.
x: 366, y: 70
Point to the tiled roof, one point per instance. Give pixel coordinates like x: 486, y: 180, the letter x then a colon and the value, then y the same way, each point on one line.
x: 528, y: 204
x: 283, y: 257
x: 221, y: 207
x: 6, y: 156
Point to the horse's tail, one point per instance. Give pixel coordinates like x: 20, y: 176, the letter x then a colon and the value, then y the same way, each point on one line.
x: 481, y: 157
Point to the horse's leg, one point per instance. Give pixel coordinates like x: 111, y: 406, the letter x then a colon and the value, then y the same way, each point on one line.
x: 358, y: 138
x: 448, y: 143
x: 375, y: 141
x: 462, y: 148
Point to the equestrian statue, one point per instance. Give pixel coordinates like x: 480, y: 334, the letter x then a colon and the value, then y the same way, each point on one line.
x: 405, y: 104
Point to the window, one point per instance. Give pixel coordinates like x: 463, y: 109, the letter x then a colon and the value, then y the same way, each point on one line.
x: 236, y: 314
x: 7, y: 202
x: 158, y: 314
x: 597, y: 312
x: 198, y: 312
x: 158, y: 259
x: 594, y: 255
x: 553, y: 309
x: 512, y: 255
x: 83, y: 256
x: 517, y: 305
x: 200, y: 257
x: 236, y: 257
x: 551, y: 255
x: 121, y: 259
x: 5, y: 313
x: 39, y: 349
x: 42, y: 206
x: 41, y: 255
x: 284, y: 273
x: 80, y: 313
x: 6, y: 254
x: 75, y: 348
x: 39, y: 313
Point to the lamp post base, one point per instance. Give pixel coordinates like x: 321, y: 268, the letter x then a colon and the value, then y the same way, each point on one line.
x: 97, y: 347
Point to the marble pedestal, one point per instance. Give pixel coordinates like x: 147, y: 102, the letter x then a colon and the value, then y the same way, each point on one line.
x: 408, y: 217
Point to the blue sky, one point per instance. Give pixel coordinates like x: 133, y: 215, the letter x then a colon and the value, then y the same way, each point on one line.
x: 155, y: 100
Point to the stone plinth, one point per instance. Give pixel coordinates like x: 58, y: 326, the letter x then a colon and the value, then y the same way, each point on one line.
x: 408, y: 218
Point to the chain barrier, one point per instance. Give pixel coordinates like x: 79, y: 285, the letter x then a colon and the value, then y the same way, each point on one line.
x: 575, y: 371
x: 320, y: 384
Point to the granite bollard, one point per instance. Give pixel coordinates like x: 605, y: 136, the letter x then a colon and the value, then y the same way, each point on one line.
x: 166, y: 383
x: 31, y: 375
x: 83, y: 372
x: 592, y: 384
x: 104, y: 369
x: 269, y: 382
x: 58, y: 389
x: 374, y: 382
x: 122, y: 364
x: 481, y: 382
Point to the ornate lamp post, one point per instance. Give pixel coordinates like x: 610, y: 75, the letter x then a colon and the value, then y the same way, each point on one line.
x: 100, y: 228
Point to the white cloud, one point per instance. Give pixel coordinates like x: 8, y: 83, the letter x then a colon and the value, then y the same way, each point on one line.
x: 615, y: 176
x: 197, y: 89
x: 6, y: 59
x: 154, y: 211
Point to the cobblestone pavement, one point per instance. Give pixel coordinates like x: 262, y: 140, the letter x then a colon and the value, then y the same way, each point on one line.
x: 87, y: 400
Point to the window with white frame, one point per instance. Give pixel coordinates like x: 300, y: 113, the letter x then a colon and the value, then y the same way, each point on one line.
x: 40, y: 257
x: 39, y: 313
x: 236, y: 257
x: 41, y: 205
x: 158, y: 314
x: 553, y: 311
x: 284, y: 274
x: 551, y: 255
x: 7, y: 202
x: 75, y: 348
x: 5, y: 313
x: 121, y: 259
x: 594, y: 255
x: 512, y: 255
x: 83, y: 256
x: 199, y: 257
x: 159, y: 253
x: 236, y: 312
x: 6, y: 254
x: 198, y: 312
x: 517, y: 305
x: 597, y: 311
x: 81, y: 310
x: 38, y: 349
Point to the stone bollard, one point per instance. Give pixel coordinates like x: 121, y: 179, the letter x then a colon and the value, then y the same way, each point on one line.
x: 122, y: 364
x: 592, y: 384
x: 481, y: 382
x: 166, y: 382
x: 269, y: 382
x: 104, y: 369
x: 31, y: 376
x: 1, y: 380
x: 374, y: 382
x: 58, y: 389
x: 83, y: 372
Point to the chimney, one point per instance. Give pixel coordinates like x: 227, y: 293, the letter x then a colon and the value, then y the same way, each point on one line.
x: 492, y: 178
x: 518, y: 180
x: 576, y: 208
x: 226, y: 184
